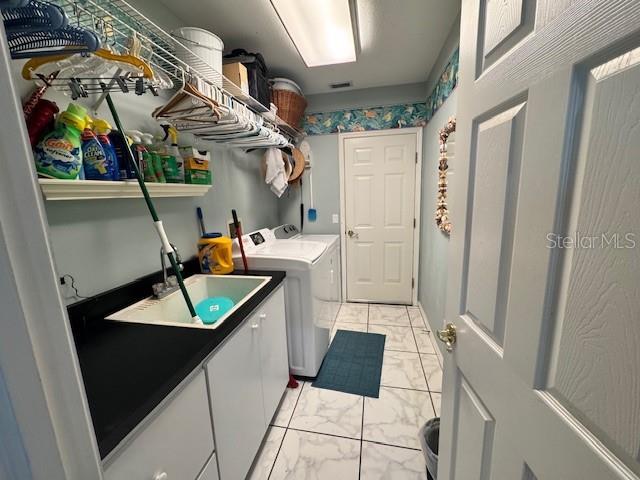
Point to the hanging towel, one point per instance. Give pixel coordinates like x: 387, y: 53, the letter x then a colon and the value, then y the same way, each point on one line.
x: 276, y: 175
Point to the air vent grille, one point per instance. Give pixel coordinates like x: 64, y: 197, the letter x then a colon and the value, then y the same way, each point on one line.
x: 341, y: 84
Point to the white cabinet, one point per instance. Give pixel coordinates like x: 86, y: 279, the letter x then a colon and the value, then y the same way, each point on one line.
x: 274, y: 360
x: 175, y: 444
x: 247, y: 377
x: 236, y: 400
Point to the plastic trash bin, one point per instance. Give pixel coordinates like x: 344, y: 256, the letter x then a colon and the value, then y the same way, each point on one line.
x: 429, y: 437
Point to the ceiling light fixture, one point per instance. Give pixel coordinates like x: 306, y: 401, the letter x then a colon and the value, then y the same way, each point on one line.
x: 324, y: 32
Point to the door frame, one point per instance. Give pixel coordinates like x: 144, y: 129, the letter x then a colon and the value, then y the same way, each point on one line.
x: 44, y: 413
x: 416, y: 201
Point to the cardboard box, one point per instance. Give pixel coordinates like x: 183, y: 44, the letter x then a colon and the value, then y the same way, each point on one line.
x: 191, y: 163
x: 198, y: 177
x: 237, y: 74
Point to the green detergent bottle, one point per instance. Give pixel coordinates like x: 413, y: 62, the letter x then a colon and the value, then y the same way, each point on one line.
x: 59, y: 154
x: 172, y: 162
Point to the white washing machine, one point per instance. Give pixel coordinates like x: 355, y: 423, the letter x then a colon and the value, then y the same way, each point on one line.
x: 312, y: 292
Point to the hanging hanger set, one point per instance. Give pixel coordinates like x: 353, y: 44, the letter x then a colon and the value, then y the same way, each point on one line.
x: 206, y: 111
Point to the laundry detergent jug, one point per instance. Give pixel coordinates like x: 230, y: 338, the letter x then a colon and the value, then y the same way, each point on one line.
x: 59, y: 153
x: 215, y: 255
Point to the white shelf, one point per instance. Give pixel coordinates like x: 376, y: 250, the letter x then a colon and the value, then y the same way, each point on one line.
x: 53, y: 189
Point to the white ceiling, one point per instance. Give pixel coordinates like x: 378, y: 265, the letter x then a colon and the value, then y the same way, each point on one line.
x: 400, y: 39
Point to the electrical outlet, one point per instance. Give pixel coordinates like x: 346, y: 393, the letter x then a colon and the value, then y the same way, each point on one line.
x: 335, y: 218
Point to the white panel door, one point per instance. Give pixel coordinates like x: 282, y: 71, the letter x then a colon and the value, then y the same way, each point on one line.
x: 544, y: 286
x: 379, y: 184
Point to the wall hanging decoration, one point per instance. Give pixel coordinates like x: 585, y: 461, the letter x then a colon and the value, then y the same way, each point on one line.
x: 442, y: 213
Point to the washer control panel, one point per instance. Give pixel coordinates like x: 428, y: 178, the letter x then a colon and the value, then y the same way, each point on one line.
x: 285, y: 231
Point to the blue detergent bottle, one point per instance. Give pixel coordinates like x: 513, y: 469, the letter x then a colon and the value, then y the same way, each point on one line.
x: 94, y: 160
x: 102, y: 129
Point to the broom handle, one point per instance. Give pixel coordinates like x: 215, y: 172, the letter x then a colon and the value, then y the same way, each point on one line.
x: 154, y: 215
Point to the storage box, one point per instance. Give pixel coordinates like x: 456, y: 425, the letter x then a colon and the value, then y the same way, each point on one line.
x: 198, y: 177
x: 237, y: 74
x: 192, y: 163
x: 191, y: 152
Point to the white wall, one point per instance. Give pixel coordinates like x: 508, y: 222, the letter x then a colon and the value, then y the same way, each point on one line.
x: 366, y: 97
x: 105, y: 243
x: 434, y: 245
x: 450, y: 45
x: 326, y: 189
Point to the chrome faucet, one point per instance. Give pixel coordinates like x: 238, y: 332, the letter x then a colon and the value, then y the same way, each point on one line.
x: 169, y: 283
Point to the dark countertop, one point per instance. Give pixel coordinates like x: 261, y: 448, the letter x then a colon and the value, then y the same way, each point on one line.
x: 129, y: 368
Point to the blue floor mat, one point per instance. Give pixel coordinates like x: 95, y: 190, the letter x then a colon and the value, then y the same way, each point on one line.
x: 353, y: 364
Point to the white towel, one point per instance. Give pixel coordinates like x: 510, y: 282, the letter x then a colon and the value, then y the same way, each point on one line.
x: 276, y: 175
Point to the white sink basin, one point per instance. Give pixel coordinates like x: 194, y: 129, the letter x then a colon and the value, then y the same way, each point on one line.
x: 172, y: 309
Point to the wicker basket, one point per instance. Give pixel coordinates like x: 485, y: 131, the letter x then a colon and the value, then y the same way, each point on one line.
x: 290, y: 106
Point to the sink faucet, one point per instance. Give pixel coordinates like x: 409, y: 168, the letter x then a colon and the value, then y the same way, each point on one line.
x: 169, y: 283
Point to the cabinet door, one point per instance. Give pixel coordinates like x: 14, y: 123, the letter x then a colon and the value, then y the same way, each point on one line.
x: 176, y: 443
x: 273, y: 351
x: 235, y: 387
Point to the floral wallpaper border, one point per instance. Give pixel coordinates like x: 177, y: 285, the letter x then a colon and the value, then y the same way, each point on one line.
x: 392, y: 116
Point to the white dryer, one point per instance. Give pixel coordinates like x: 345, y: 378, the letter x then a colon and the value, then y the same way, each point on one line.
x: 312, y: 287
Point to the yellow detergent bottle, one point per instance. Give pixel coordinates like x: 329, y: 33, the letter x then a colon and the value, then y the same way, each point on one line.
x: 215, y: 255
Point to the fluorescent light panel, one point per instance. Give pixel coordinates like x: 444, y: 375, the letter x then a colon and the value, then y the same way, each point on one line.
x: 321, y: 30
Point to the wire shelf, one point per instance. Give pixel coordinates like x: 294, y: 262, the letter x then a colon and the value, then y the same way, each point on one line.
x: 116, y: 22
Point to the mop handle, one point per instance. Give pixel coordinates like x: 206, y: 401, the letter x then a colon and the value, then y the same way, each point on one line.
x: 236, y: 224
x: 152, y: 210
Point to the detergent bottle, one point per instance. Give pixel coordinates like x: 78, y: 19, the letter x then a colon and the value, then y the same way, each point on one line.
x: 102, y: 128
x: 152, y: 159
x: 215, y: 255
x: 120, y: 144
x: 172, y: 162
x: 95, y: 163
x: 59, y: 153
x: 143, y: 158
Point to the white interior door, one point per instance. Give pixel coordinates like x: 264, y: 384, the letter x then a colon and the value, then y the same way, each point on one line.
x: 379, y: 189
x: 544, y: 381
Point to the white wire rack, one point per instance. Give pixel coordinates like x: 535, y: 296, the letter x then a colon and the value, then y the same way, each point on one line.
x: 116, y: 22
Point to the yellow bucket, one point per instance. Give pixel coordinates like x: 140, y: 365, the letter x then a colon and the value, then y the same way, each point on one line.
x: 215, y: 255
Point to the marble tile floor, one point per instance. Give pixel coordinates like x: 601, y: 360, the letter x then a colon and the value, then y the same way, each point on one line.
x: 322, y: 434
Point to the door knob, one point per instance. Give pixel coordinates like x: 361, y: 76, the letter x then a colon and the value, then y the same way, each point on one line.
x: 448, y: 336
x: 352, y: 234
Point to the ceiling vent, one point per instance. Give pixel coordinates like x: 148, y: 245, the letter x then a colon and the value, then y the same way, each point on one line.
x: 341, y: 85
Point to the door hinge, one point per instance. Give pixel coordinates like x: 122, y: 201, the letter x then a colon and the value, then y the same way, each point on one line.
x: 414, y: 223
x: 416, y: 157
x: 413, y: 283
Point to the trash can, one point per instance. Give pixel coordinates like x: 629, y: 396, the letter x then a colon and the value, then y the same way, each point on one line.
x: 429, y: 437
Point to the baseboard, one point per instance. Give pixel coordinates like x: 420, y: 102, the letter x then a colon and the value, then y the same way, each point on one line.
x: 433, y: 328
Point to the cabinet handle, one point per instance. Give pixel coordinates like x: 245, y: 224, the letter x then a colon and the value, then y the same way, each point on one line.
x: 255, y: 326
x: 161, y: 476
